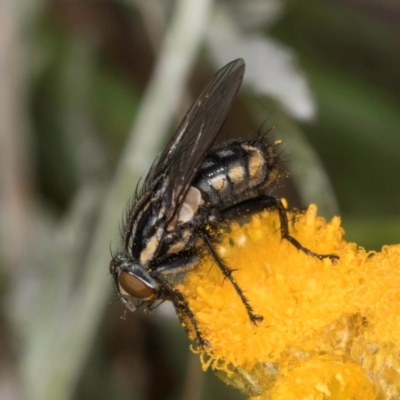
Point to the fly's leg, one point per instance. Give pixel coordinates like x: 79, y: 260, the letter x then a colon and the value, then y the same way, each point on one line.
x: 181, y: 304
x: 250, y: 207
x: 228, y: 273
x: 262, y: 203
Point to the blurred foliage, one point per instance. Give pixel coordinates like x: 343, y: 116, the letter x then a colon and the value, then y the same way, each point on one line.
x: 86, y: 68
x: 354, y: 73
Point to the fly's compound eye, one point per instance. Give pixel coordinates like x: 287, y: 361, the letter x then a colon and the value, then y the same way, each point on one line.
x: 134, y: 286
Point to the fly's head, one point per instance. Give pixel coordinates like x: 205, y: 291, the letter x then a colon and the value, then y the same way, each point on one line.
x: 132, y: 280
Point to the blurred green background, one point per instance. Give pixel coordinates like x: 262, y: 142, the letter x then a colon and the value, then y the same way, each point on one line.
x: 91, y: 90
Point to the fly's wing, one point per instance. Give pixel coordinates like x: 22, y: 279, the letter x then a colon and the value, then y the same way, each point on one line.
x: 184, y: 154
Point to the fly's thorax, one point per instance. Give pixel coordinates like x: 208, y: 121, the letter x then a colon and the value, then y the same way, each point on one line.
x: 148, y: 233
x: 178, y: 241
x: 190, y: 205
x: 175, y: 236
x: 237, y: 170
x: 145, y: 224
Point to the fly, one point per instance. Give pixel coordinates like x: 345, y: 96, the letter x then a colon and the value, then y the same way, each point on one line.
x: 192, y: 188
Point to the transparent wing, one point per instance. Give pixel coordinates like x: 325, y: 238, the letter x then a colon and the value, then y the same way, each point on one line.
x: 185, y: 152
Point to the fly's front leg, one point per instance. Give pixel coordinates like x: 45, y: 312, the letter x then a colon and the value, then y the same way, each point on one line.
x: 181, y: 304
x: 264, y: 202
x: 228, y: 273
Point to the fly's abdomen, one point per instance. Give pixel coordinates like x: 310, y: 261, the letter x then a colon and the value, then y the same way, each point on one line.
x: 237, y: 170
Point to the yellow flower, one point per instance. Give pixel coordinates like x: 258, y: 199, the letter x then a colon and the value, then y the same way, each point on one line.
x: 330, y: 330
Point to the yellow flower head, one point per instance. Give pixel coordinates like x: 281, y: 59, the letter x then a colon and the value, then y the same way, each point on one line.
x: 329, y: 330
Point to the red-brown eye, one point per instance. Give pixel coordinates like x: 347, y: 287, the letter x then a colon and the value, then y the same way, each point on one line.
x: 133, y: 286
